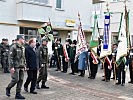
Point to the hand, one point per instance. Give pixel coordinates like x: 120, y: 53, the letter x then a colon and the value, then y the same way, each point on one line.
x: 12, y: 70
x: 26, y: 68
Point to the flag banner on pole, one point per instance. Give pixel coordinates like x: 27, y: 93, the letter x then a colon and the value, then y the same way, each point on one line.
x: 95, y: 34
x: 94, y: 57
x: 106, y: 45
x: 122, y: 45
x: 94, y: 42
x: 81, y: 42
x: 65, y: 53
x: 106, y: 32
x: 109, y: 62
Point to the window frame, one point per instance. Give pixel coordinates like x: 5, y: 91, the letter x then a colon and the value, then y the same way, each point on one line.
x: 62, y: 6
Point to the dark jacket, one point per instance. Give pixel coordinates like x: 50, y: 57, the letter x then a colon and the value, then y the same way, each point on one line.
x: 31, y: 58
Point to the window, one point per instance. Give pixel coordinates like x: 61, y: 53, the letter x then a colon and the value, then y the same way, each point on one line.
x: 59, y: 4
x: 29, y: 33
x: 40, y: 1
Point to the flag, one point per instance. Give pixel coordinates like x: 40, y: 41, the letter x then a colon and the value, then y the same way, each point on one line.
x: 65, y: 53
x: 95, y: 34
x: 106, y: 45
x: 109, y: 62
x: 95, y: 61
x: 47, y: 31
x: 41, y: 31
x: 122, y: 45
x: 81, y: 42
x: 94, y: 42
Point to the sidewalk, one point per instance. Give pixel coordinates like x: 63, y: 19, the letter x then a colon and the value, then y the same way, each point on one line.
x: 64, y: 86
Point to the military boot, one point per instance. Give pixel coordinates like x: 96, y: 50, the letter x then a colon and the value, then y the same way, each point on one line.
x: 44, y: 87
x: 8, y: 92
x: 37, y: 86
x: 19, y: 96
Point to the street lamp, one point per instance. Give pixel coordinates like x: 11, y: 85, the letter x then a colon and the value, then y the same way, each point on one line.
x: 97, y: 1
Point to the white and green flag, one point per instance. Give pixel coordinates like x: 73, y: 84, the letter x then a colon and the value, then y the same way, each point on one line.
x: 122, y: 41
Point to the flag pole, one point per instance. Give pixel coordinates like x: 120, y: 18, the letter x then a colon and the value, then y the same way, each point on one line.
x: 104, y: 60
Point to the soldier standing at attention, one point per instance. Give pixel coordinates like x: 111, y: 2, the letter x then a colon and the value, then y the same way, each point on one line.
x: 43, y: 57
x: 17, y: 64
x: 1, y: 48
x: 5, y: 52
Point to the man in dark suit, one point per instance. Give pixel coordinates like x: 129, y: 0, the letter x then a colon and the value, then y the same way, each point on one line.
x: 31, y: 61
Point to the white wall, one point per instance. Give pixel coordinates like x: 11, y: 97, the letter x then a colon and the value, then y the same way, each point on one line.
x: 70, y: 11
x: 9, y: 32
x: 8, y: 12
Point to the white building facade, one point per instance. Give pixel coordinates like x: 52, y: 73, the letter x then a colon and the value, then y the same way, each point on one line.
x: 26, y: 16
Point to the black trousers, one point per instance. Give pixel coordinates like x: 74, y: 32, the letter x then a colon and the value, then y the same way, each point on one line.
x: 93, y: 69
x: 107, y: 72
x: 58, y: 62
x: 65, y: 65
x: 131, y: 72
x: 32, y: 77
x: 121, y: 73
x: 73, y: 66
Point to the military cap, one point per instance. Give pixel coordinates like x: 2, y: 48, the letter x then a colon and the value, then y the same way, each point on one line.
x: 3, y: 39
x: 20, y: 37
x: 44, y: 39
x: 6, y: 39
x: 74, y: 42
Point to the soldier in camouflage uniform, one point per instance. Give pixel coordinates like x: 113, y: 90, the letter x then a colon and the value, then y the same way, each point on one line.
x: 4, y: 56
x: 43, y: 57
x: 17, y: 64
x: 1, y: 47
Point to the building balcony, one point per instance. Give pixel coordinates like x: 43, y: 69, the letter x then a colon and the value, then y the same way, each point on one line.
x: 33, y: 11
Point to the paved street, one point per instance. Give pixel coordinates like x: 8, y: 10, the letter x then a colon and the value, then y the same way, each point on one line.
x: 64, y: 86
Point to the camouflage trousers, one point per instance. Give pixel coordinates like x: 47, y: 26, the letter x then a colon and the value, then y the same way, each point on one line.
x: 42, y: 74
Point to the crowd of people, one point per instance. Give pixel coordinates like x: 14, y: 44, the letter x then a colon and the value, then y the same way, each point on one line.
x: 21, y: 56
x: 34, y: 58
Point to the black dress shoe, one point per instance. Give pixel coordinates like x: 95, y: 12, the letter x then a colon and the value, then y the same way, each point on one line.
x: 44, y: 87
x: 72, y: 73
x: 19, y: 96
x: 130, y: 82
x: 26, y: 89
x: 37, y: 86
x: 89, y: 77
x: 33, y: 92
x: 122, y: 84
x: 81, y: 75
x: 107, y: 80
x: 64, y: 71
x: 117, y: 83
x: 92, y: 77
x: 8, y: 92
x: 113, y: 78
x: 103, y: 80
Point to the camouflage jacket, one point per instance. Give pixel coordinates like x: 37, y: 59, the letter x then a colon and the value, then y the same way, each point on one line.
x: 16, y: 56
x: 43, y: 54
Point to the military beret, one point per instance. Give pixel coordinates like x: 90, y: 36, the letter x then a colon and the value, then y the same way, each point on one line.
x: 20, y: 37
